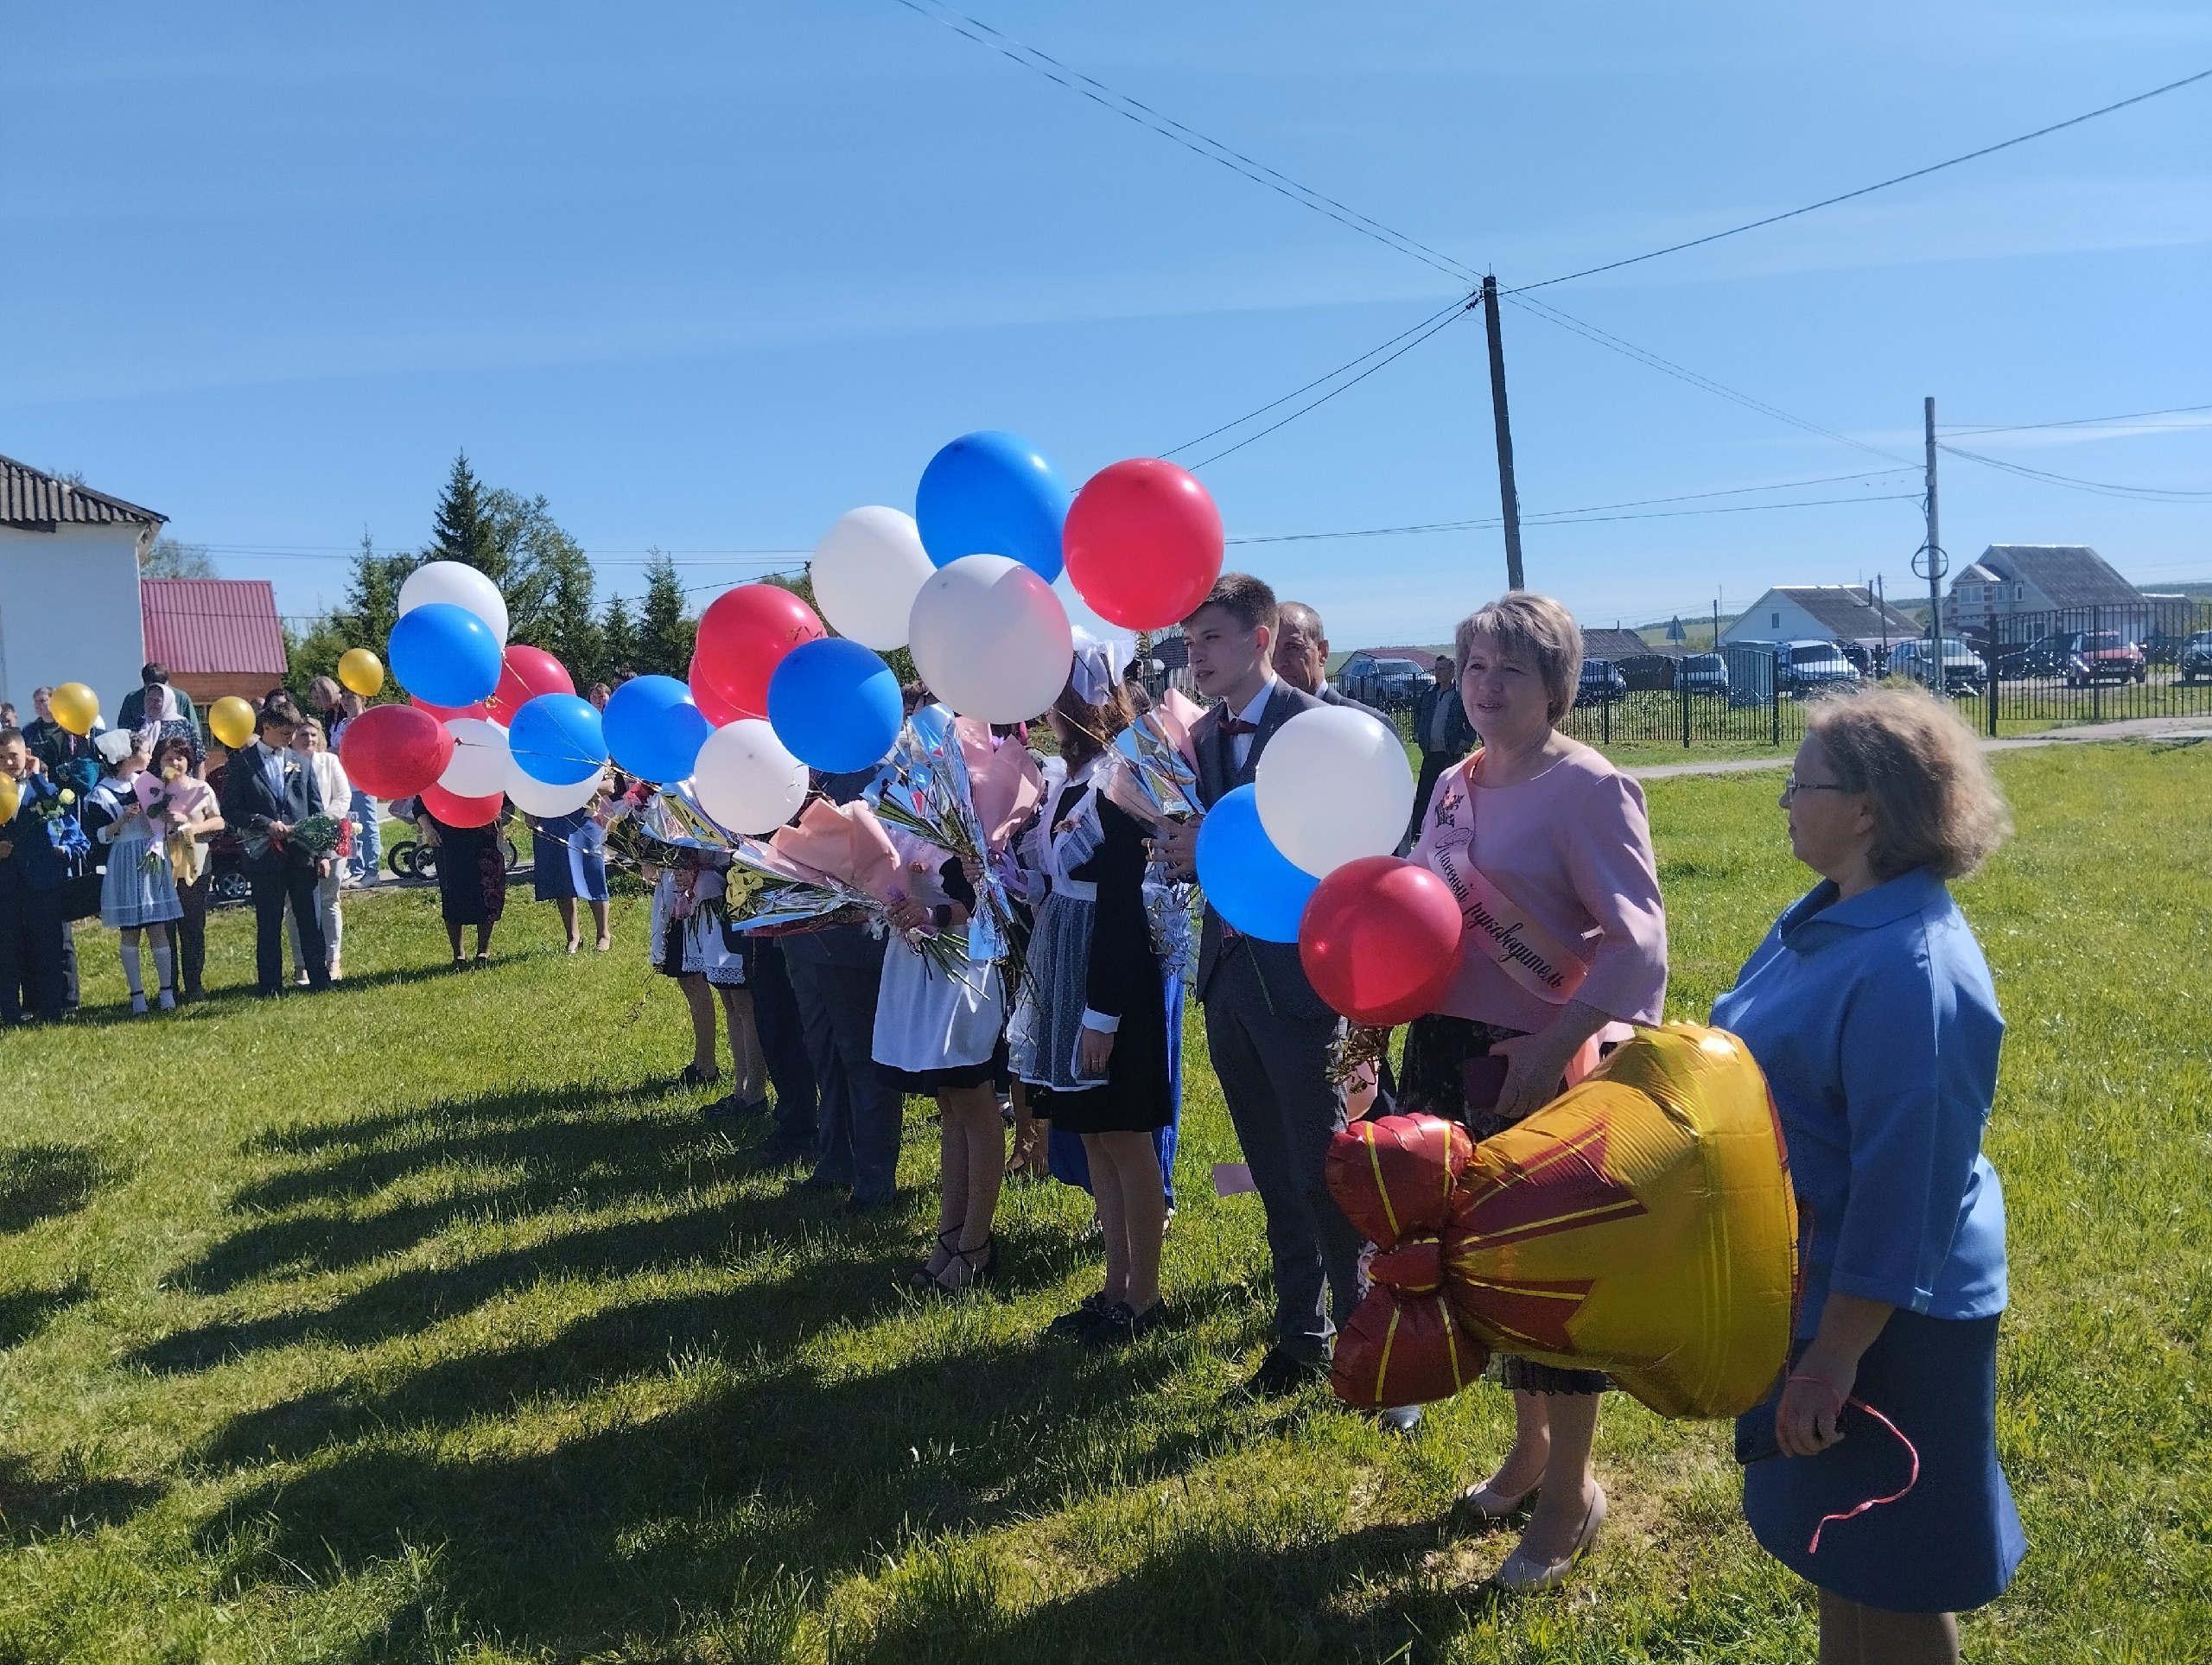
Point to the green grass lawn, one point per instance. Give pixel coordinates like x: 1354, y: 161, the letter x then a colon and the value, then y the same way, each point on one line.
x: 425, y: 1320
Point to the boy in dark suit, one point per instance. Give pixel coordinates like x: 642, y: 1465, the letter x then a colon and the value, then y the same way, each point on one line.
x: 266, y: 793
x: 1269, y: 1032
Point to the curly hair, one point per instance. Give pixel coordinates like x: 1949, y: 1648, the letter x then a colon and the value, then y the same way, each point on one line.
x: 1935, y: 803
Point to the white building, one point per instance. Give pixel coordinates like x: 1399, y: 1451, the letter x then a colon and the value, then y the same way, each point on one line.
x: 69, y: 607
x: 1821, y: 613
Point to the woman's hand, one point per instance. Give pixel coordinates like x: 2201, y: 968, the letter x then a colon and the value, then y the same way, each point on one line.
x: 1805, y: 1423
x: 972, y: 871
x: 909, y: 916
x: 1534, y: 1064
x: 1094, y: 1051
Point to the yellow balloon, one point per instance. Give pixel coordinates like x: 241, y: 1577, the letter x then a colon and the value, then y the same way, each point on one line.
x: 362, y: 671
x: 76, y: 708
x: 11, y: 795
x: 231, y: 721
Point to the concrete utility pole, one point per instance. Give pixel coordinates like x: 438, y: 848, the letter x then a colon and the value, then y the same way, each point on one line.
x: 1509, y: 497
x: 1937, y: 563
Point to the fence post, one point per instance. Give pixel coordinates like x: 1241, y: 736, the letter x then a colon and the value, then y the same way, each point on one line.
x: 1774, y: 699
x: 1682, y: 693
x: 1606, y: 714
x: 2096, y: 688
x: 1996, y: 655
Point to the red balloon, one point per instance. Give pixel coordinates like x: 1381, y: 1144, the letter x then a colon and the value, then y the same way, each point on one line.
x: 1381, y: 939
x: 743, y: 637
x: 524, y: 673
x: 447, y: 713
x: 1143, y: 542
x: 394, y: 751
x: 462, y: 811
x: 712, y: 706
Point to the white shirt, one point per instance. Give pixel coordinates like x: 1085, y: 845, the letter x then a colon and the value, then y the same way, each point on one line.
x: 1240, y: 746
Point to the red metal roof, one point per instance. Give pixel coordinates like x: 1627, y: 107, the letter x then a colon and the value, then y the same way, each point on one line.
x: 200, y: 625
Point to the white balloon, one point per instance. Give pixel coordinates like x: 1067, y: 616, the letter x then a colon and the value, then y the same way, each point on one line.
x: 482, y: 761
x: 459, y: 585
x: 1332, y: 786
x: 990, y: 638
x: 867, y: 569
x: 746, y: 780
x: 534, y: 796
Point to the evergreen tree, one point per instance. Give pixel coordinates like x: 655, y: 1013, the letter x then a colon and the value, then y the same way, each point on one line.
x: 362, y: 618
x: 549, y: 582
x: 166, y: 559
x: 617, y: 639
x: 665, y: 635
x: 463, y: 530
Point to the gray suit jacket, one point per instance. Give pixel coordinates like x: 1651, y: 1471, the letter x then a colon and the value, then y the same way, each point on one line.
x: 1332, y: 694
x: 1280, y: 973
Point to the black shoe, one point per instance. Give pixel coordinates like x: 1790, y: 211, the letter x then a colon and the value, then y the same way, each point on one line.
x: 1073, y: 1325
x: 1117, y: 1326
x: 824, y: 1182
x: 1279, y: 1375
x: 1401, y: 1420
x: 868, y: 1205
x: 778, y: 1151
x: 720, y: 1112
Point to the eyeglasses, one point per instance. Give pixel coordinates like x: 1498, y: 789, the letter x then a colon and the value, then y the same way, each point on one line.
x: 1791, y: 786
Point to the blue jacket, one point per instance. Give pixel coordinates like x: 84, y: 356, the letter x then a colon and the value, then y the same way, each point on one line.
x: 46, y: 853
x: 1877, y: 1025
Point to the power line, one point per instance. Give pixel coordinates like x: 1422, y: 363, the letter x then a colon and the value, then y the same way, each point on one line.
x: 1331, y: 376
x: 1444, y: 322
x: 2086, y: 422
x: 2102, y: 487
x: 1189, y: 138
x: 1667, y: 366
x: 1865, y: 190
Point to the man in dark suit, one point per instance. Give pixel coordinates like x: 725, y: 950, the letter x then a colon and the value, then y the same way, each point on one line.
x: 36, y: 857
x: 1442, y: 732
x: 1301, y: 658
x: 1269, y: 1032
x: 266, y: 793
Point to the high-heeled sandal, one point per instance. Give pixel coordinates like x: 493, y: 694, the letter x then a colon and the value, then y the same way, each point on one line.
x: 1483, y: 1504
x: 918, y: 1276
x: 1524, y: 1575
x: 979, y: 1270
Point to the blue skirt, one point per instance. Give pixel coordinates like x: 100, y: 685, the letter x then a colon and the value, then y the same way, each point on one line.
x: 1952, y: 1542
x: 568, y: 858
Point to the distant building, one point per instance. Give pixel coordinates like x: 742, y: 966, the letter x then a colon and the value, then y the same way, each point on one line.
x: 69, y: 607
x: 216, y: 636
x: 1828, y: 613
x: 2012, y: 579
x: 1615, y: 645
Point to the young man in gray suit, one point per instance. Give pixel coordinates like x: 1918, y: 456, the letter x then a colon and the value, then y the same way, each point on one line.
x: 1269, y: 1032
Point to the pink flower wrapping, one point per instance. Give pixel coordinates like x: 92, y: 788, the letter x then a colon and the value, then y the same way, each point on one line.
x: 1003, y: 779
x: 843, y: 841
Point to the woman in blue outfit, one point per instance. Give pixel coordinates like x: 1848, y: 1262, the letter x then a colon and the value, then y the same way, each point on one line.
x: 569, y: 862
x: 1871, y: 1009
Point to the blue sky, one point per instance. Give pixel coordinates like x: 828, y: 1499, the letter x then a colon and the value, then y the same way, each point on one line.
x: 706, y: 275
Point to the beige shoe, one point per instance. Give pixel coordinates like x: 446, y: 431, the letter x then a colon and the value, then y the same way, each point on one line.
x: 1482, y: 1503
x: 1524, y: 1575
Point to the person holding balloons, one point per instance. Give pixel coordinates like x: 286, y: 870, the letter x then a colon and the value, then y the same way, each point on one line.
x: 55, y: 743
x: 1547, y: 849
x: 691, y: 942
x: 40, y: 843
x: 1092, y: 1036
x: 138, y: 891
x: 568, y: 864
x: 472, y: 879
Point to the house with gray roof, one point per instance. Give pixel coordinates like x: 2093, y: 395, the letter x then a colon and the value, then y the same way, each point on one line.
x: 69, y: 602
x: 1826, y: 613
x: 2009, y: 580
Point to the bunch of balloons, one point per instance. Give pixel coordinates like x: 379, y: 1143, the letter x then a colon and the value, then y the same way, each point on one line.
x: 775, y: 688
x: 1305, y: 854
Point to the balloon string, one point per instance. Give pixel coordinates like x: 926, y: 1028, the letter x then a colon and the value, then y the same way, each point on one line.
x: 1912, y: 1479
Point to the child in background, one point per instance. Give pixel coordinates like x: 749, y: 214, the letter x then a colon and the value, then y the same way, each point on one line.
x: 139, y: 892
x: 690, y: 943
x: 184, y: 807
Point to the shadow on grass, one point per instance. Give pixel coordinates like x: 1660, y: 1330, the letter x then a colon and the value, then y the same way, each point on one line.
x: 38, y: 1182
x: 24, y: 1312
x: 1210, y: 1596
x: 636, y: 1527
x: 32, y: 1508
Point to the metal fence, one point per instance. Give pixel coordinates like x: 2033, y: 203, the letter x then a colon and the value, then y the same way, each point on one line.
x: 2094, y: 664
x: 1742, y: 697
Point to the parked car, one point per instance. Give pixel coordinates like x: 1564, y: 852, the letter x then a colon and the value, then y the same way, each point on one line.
x: 1385, y: 684
x: 1803, y: 668
x: 1702, y: 673
x: 1601, y: 681
x: 2081, y: 657
x: 2194, y: 661
x: 1963, y: 672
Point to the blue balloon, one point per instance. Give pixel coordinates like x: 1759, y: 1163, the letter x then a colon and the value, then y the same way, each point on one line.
x: 444, y: 654
x: 991, y: 493
x: 1247, y: 879
x: 557, y: 739
x: 834, y: 705
x: 654, y: 730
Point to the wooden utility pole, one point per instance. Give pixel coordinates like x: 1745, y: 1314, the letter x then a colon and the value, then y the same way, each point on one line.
x: 1934, y: 554
x: 1509, y: 499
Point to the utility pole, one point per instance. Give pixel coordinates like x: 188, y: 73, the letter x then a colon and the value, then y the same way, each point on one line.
x: 1933, y: 554
x: 1882, y: 606
x: 1510, y: 500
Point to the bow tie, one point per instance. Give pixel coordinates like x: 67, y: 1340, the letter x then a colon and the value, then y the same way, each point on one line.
x: 1233, y: 727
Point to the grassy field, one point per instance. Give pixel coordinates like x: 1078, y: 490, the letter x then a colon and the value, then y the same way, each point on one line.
x: 426, y: 1321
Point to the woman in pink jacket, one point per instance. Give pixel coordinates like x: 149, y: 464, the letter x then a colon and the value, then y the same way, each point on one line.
x: 1547, y: 849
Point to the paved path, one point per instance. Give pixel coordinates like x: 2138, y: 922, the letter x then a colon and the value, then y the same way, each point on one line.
x: 2133, y: 728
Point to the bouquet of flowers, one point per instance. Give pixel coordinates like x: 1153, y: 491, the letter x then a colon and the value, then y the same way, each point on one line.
x: 167, y: 797
x: 1152, y: 776
x: 318, y: 834
x: 948, y: 784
